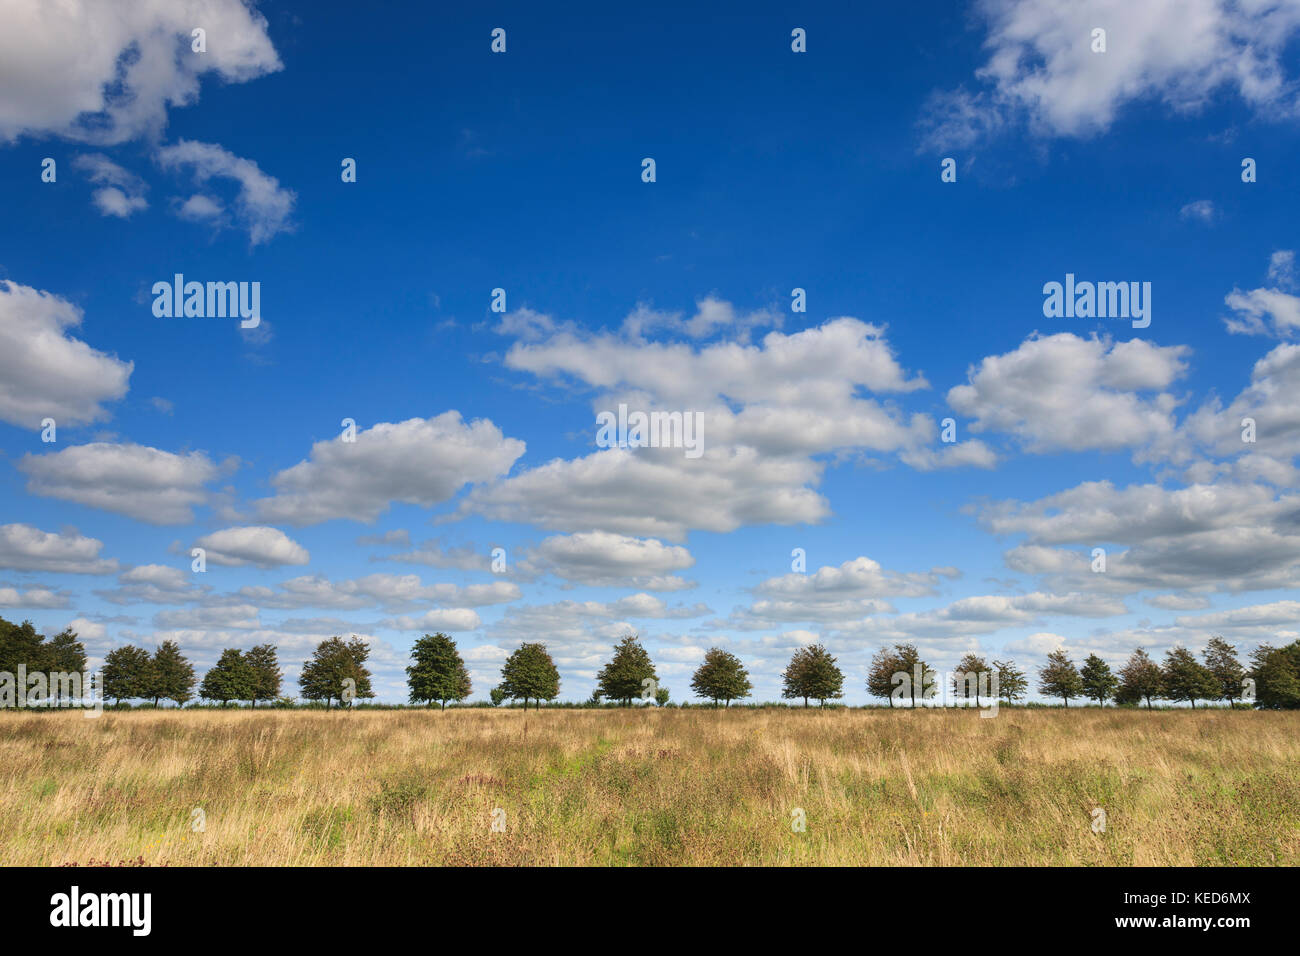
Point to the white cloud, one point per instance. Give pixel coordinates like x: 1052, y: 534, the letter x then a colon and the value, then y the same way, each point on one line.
x: 419, y: 461
x: 32, y: 597
x: 43, y: 371
x: 766, y: 410
x: 88, y: 630
x: 262, y: 206
x: 260, y: 545
x: 140, y: 482
x: 24, y: 548
x: 122, y: 193
x: 107, y: 71
x: 603, y: 559
x: 243, y: 616
x: 1065, y: 392
x: 392, y: 591
x: 1200, y: 210
x: 1180, y: 53
x: 440, y: 619
x: 1223, y: 537
x: 1263, y: 312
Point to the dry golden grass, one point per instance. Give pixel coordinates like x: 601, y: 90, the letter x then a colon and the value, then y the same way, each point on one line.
x: 660, y: 787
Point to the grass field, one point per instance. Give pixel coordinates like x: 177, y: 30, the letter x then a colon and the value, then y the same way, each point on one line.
x: 658, y: 787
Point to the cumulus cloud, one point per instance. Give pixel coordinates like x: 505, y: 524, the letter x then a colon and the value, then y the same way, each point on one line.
x: 1041, y: 69
x: 390, y: 591
x: 463, y: 557
x: 1200, y: 210
x: 419, y: 461
x: 604, y: 559
x: 44, y: 372
x: 766, y: 409
x: 121, y: 193
x: 262, y: 205
x: 1267, y: 311
x: 1225, y: 537
x: 1063, y: 392
x: 25, y: 548
x: 32, y: 598
x: 140, y: 482
x: 258, y: 545
x: 154, y: 584
x: 106, y: 71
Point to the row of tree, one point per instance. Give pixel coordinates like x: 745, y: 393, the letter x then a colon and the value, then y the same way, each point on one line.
x: 337, y: 671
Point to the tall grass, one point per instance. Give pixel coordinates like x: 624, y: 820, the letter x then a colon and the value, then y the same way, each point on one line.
x: 657, y: 787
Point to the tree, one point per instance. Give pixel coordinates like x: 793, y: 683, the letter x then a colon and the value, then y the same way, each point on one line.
x: 530, y: 673
x: 880, y: 678
x: 721, y: 677
x: 1276, y: 673
x: 126, y: 673
x: 67, y: 654
x: 908, y: 661
x: 336, y: 668
x: 266, y: 673
x: 661, y: 696
x: 1223, y: 666
x: 812, y: 672
x: 439, y: 672
x: 171, y: 676
x: 1059, y: 678
x: 497, y: 696
x: 1139, y: 679
x: 1013, y: 685
x: 971, y: 669
x: 1098, y: 681
x: 624, y: 677
x: 1185, y: 678
x: 231, y: 678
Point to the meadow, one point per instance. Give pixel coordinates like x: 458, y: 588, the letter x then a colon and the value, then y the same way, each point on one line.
x: 651, y: 787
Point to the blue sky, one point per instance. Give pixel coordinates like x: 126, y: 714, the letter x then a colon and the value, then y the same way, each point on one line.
x: 775, y: 170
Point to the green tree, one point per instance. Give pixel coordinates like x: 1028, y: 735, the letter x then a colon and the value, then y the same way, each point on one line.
x: 880, y: 678
x: 67, y: 653
x: 721, y: 677
x: 919, y: 674
x: 1276, y: 673
x: 812, y: 672
x: 265, y: 663
x: 971, y: 670
x: 662, y: 696
x: 231, y: 678
x: 21, y: 644
x: 1139, y: 679
x: 126, y: 674
x: 625, y: 676
x: 171, y: 676
x: 439, y: 672
x: 337, y: 671
x: 1099, y: 683
x: 497, y: 696
x: 529, y: 673
x: 1059, y: 677
x: 1185, y: 678
x: 1226, y: 670
x: 1013, y: 685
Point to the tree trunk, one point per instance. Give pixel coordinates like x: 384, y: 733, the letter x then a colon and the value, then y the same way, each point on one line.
x: 805, y: 701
